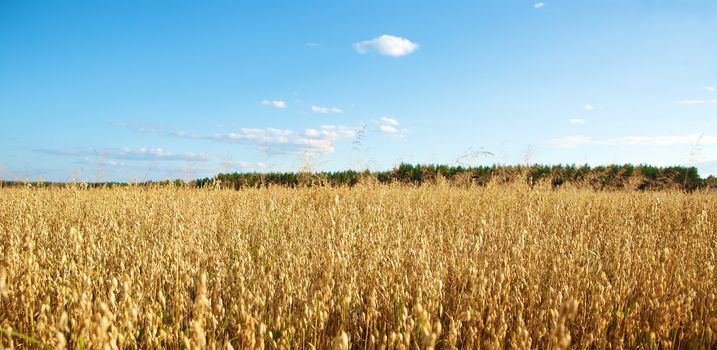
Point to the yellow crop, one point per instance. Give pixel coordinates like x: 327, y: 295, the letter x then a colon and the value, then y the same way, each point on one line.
x: 372, y: 266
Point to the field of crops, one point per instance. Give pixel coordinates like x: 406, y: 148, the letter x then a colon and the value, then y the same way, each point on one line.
x: 372, y: 266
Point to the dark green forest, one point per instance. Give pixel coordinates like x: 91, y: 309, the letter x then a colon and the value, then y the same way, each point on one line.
x: 635, y: 177
x: 612, y: 177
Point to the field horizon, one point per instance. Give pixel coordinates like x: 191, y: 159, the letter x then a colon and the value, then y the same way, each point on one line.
x: 610, y: 177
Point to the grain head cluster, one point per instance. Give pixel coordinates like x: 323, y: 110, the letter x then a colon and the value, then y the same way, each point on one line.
x: 366, y: 267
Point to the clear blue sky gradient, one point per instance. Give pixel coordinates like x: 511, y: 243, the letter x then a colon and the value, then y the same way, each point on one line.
x: 138, y: 90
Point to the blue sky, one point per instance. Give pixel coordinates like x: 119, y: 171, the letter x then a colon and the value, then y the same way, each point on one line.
x: 138, y: 90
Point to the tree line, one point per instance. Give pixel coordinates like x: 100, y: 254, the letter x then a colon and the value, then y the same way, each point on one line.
x: 611, y: 177
x: 627, y: 176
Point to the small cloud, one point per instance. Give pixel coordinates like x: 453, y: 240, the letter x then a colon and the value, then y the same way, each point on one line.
x: 317, y: 109
x: 389, y: 121
x: 143, y: 128
x: 695, y: 102
x: 312, y: 45
x: 276, y: 103
x: 390, y: 126
x: 388, y: 45
x: 100, y: 161
x: 577, y: 121
x: 539, y: 5
x: 589, y: 107
x: 310, y: 142
x: 325, y: 110
x: 332, y: 132
x: 246, y: 166
x: 389, y: 129
x: 575, y: 141
x: 129, y: 154
x: 709, y: 88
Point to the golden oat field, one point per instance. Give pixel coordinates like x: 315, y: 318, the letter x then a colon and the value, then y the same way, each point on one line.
x: 366, y: 267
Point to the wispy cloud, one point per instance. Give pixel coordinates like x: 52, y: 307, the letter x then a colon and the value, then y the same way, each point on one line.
x: 539, y: 5
x: 577, y: 121
x: 388, y: 45
x: 95, y: 161
x: 326, y: 110
x: 389, y: 121
x: 589, y: 107
x: 144, y: 128
x: 695, y: 102
x: 309, y: 142
x: 129, y: 154
x: 312, y: 45
x: 244, y: 166
x: 575, y: 141
x: 391, y: 126
x: 275, y: 103
x: 710, y: 88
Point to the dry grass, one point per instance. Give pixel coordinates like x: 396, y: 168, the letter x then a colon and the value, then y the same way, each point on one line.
x: 368, y: 267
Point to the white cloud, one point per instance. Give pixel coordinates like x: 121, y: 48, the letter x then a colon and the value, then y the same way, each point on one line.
x: 389, y: 129
x: 388, y: 45
x: 660, y: 140
x: 575, y: 141
x: 695, y: 102
x: 98, y: 161
x: 389, y: 121
x: 325, y: 110
x: 539, y: 5
x: 710, y: 88
x: 143, y: 128
x: 589, y: 107
x: 577, y: 121
x: 138, y: 154
x: 310, y: 142
x: 312, y: 45
x: 332, y: 132
x: 390, y: 126
x: 246, y: 166
x: 276, y: 103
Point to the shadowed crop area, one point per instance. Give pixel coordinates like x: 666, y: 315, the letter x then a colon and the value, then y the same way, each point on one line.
x: 371, y: 266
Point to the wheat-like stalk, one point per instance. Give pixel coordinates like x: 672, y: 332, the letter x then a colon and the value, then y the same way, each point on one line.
x: 368, y: 267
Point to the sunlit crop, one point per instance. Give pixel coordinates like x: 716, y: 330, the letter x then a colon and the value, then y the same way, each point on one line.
x: 371, y: 266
